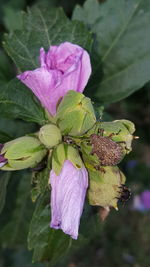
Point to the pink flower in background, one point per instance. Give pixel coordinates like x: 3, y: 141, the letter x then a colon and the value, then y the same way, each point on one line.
x: 145, y: 199
x: 67, y: 198
x: 64, y: 67
x: 142, y: 202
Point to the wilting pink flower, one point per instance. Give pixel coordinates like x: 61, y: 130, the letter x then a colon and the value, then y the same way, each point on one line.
x: 67, y: 198
x: 3, y: 161
x: 63, y: 68
x: 142, y: 202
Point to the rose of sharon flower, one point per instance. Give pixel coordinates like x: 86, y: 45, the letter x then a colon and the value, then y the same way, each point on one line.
x: 64, y: 67
x: 67, y: 198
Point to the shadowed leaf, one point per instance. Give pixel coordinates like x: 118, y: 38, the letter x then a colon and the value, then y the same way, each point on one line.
x: 122, y: 45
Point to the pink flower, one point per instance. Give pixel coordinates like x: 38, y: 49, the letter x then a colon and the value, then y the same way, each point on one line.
x: 67, y: 198
x: 63, y: 68
x: 145, y: 199
x: 141, y: 202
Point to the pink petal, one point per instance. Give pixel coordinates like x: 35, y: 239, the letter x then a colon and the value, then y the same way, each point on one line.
x: 85, y: 71
x: 70, y: 59
x: 67, y: 198
x: 42, y: 57
x: 42, y: 83
x: 63, y: 68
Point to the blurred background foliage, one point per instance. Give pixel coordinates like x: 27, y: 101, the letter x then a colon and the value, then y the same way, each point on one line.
x: 124, y: 238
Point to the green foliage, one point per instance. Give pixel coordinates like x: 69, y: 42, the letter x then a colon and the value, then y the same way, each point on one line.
x: 6, y: 72
x: 48, y: 244
x: 14, y: 230
x: 16, y: 4
x: 122, y: 46
x: 18, y: 257
x: 16, y: 101
x: 7, y: 6
x: 4, y: 179
x: 12, y: 19
x: 4, y: 137
x: 43, y: 27
x: 11, y: 129
x: 40, y: 181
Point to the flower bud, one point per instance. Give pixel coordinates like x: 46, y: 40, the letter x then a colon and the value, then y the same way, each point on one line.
x: 23, y: 152
x: 104, y: 189
x: 128, y: 124
x: 65, y: 152
x: 50, y: 135
x: 75, y: 114
x: 121, y: 131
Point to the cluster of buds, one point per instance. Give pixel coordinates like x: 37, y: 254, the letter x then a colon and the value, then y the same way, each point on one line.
x: 83, y: 153
x: 77, y: 137
x: 74, y: 117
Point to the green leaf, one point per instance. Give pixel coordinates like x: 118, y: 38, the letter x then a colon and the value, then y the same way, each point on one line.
x: 48, y: 244
x: 4, y: 179
x: 14, y: 231
x: 43, y: 27
x: 12, y: 19
x: 16, y: 4
x: 11, y: 129
x: 16, y: 101
x: 40, y: 181
x: 6, y: 72
x: 122, y: 45
x: 10, y: 4
x: 4, y: 137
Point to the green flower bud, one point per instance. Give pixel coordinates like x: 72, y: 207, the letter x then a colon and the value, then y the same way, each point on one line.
x: 121, y: 131
x: 65, y: 152
x: 104, y: 186
x: 23, y: 152
x: 50, y: 135
x: 75, y: 114
x: 128, y: 124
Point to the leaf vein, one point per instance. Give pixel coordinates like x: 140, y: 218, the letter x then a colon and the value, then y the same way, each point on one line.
x: 120, y: 33
x: 45, y: 26
x: 26, y: 49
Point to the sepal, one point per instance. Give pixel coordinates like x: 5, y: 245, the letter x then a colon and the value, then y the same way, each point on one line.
x: 65, y: 152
